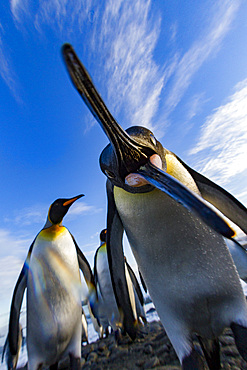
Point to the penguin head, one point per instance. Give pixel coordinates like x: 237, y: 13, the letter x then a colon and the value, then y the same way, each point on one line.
x: 129, y: 180
x: 103, y: 236
x: 59, y: 208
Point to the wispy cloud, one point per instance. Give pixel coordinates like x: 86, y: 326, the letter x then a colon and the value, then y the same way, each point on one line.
x: 37, y: 214
x: 6, y: 69
x: 192, y: 60
x: 13, y: 251
x: 10, y: 243
x: 64, y: 16
x: 221, y: 149
x: 126, y: 34
x: 18, y: 8
x: 173, y: 31
x: 30, y: 215
x: 82, y: 208
x: 134, y: 80
x: 195, y: 104
x: 9, y: 271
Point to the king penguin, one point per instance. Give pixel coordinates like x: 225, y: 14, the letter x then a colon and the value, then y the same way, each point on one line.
x: 103, y: 281
x: 139, y: 299
x: 175, y: 236
x: 54, y: 312
x: 84, y: 334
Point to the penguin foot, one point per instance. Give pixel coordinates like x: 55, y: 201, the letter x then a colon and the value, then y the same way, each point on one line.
x: 75, y: 362
x: 118, y: 335
x: 240, y: 336
x: 194, y: 361
x: 107, y: 332
x: 211, y: 350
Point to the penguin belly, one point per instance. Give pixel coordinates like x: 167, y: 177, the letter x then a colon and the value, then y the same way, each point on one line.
x: 187, y: 267
x: 53, y: 300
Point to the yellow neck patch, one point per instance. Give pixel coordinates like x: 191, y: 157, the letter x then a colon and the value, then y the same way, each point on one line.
x: 52, y: 232
x: 102, y: 248
x: 177, y: 170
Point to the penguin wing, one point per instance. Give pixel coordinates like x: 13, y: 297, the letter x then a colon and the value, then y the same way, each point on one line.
x: 220, y: 198
x: 143, y: 282
x: 95, y: 267
x: 4, y: 347
x: 89, y: 278
x: 117, y: 264
x: 84, y: 266
x: 177, y: 190
x: 16, y: 303
x: 135, y: 283
x: 239, y: 256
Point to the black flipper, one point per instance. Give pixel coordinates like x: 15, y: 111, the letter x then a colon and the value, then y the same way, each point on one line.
x: 95, y: 269
x: 89, y: 278
x: 240, y: 335
x: 135, y: 283
x: 5, y: 347
x: 16, y: 303
x: 117, y: 264
x: 143, y: 282
x: 211, y: 350
x: 186, y: 197
x: 220, y: 198
x: 16, y: 309
x: 193, y: 361
x: 84, y: 266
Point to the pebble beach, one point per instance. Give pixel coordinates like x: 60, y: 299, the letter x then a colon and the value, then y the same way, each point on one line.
x: 152, y: 350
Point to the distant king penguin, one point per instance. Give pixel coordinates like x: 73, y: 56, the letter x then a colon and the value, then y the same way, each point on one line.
x: 54, y: 311
x: 104, y: 284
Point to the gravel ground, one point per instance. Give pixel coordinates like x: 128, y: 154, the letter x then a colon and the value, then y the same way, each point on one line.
x: 152, y: 351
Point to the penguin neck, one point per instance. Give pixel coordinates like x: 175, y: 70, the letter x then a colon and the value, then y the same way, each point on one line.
x: 50, y: 224
x: 52, y: 231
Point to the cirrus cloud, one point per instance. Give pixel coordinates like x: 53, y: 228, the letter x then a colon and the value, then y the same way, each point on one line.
x: 221, y: 148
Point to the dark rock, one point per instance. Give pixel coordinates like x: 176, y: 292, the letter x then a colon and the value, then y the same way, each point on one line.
x: 150, y: 364
x: 230, y: 351
x: 140, y: 363
x: 227, y: 339
x: 102, y: 347
x: 148, y: 349
x: 92, y: 357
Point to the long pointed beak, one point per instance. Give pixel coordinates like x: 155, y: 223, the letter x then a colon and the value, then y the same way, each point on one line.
x: 130, y: 154
x: 70, y: 201
x: 133, y: 157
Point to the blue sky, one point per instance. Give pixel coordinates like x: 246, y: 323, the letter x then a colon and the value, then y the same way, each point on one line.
x: 176, y: 67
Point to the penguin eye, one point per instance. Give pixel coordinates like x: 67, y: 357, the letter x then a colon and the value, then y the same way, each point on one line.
x: 109, y: 174
x: 153, y: 140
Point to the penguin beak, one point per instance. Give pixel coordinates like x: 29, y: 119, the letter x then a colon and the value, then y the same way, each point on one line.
x: 70, y: 201
x: 130, y: 154
x: 133, y: 157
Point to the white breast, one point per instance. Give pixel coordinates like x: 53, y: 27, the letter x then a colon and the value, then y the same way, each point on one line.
x: 53, y: 296
x: 182, y: 260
